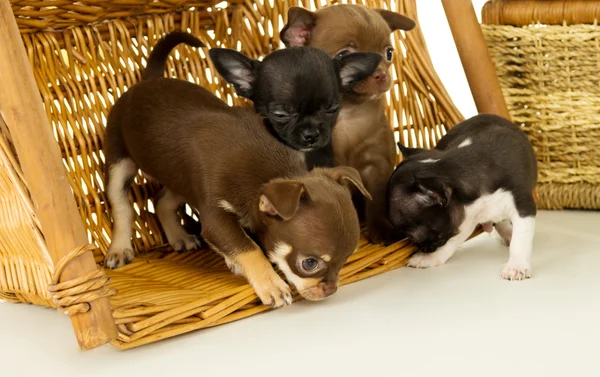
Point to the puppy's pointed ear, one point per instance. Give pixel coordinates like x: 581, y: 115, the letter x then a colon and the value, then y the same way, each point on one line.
x: 345, y: 175
x: 432, y: 190
x: 407, y: 152
x: 396, y: 21
x: 356, y: 67
x: 281, y: 198
x: 299, y: 28
x: 237, y: 69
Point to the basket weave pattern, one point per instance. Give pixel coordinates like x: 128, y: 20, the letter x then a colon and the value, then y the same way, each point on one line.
x: 84, y: 56
x: 549, y: 76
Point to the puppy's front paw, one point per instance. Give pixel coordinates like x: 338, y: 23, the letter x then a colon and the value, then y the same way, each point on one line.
x: 516, y: 271
x: 118, y: 257
x: 185, y: 242
x: 273, y: 291
x: 425, y: 260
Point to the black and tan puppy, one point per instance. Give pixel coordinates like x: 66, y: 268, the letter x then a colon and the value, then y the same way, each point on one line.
x: 362, y: 137
x: 297, y: 91
x: 223, y: 162
x: 483, y: 171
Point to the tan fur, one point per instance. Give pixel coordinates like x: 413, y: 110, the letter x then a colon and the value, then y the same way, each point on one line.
x: 269, y: 287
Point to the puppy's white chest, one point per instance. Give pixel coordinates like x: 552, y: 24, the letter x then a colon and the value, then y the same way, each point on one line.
x: 494, y: 207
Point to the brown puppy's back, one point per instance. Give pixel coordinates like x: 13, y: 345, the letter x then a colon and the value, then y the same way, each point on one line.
x: 195, y: 120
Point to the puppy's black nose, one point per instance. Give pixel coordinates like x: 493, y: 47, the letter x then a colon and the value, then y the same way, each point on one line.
x: 310, y: 135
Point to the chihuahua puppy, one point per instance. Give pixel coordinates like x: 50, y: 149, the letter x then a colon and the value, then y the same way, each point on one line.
x: 483, y: 171
x: 297, y: 91
x: 362, y: 137
x: 223, y: 162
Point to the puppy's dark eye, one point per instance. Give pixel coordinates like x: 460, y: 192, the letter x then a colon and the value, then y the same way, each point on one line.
x: 389, y: 54
x: 310, y: 264
x: 280, y: 114
x: 342, y: 53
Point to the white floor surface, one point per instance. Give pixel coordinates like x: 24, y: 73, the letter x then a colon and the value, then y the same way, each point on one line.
x: 460, y: 319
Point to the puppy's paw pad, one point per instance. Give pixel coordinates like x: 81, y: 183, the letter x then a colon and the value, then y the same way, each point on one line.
x: 514, y: 271
x: 424, y: 260
x: 274, y: 292
x: 186, y: 242
x: 118, y: 258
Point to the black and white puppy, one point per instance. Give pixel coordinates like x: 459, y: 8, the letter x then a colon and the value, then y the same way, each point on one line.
x: 296, y: 90
x: 483, y: 171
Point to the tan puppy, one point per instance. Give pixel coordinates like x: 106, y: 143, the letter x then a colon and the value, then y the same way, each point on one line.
x: 225, y: 163
x: 362, y: 137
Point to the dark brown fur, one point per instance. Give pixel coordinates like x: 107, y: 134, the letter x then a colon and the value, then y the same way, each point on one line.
x: 209, y: 153
x: 362, y: 137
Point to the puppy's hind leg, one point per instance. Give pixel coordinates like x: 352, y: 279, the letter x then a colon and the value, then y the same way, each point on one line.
x: 166, y: 210
x: 504, y: 229
x: 120, y: 176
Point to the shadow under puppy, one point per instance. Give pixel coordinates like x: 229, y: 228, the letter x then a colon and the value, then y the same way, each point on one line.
x: 297, y: 91
x: 224, y: 163
x: 483, y: 171
x: 362, y: 137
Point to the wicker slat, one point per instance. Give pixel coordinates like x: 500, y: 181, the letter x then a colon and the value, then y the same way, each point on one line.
x: 551, y: 84
x: 84, y: 55
x: 25, y: 266
x: 548, y: 12
x: 37, y: 15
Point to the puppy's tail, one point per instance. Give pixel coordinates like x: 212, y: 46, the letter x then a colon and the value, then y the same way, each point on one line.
x: 158, y: 57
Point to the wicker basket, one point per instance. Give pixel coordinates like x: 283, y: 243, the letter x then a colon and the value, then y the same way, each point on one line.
x: 84, y: 55
x: 547, y: 56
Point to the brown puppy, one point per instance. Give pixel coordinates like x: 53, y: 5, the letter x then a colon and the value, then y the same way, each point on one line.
x: 225, y: 163
x: 362, y: 137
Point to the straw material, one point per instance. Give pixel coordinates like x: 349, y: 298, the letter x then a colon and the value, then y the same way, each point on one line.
x: 74, y: 296
x: 550, y: 79
x: 25, y: 266
x: 163, y: 295
x: 84, y: 56
x: 549, y: 12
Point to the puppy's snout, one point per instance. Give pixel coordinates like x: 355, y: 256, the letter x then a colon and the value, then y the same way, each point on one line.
x: 310, y: 135
x: 432, y: 245
x: 320, y: 291
x: 379, y: 75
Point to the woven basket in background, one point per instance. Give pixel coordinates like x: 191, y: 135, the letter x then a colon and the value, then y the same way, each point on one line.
x: 547, y: 56
x: 84, y: 55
